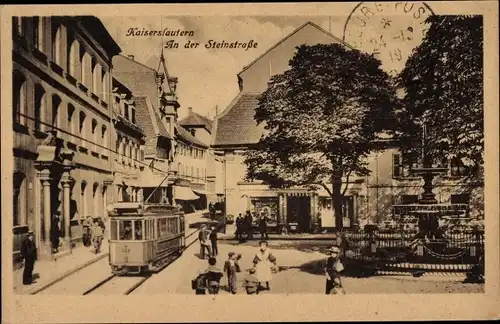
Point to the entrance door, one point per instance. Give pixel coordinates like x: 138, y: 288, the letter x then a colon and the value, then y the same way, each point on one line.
x: 299, y: 211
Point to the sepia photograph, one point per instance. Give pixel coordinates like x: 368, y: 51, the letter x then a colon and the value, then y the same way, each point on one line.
x: 249, y: 154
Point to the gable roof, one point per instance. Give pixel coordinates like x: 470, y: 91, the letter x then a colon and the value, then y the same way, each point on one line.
x: 148, y: 119
x: 290, y: 35
x: 187, y: 137
x: 236, y: 126
x: 195, y: 119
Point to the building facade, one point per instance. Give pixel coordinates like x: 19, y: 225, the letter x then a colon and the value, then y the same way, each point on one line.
x: 367, y: 199
x: 62, y: 127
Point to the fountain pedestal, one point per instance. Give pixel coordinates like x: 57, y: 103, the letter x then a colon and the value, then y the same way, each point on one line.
x: 428, y: 174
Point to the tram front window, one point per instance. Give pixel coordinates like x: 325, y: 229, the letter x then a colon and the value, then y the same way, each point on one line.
x: 125, y: 230
x: 138, y: 230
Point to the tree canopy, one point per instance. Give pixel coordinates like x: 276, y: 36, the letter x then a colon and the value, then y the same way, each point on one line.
x: 321, y: 117
x: 443, y: 81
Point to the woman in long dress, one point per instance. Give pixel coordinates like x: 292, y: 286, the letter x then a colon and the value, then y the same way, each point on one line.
x: 263, y: 263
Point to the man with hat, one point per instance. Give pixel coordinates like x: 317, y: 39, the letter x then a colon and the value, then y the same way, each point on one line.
x: 333, y: 267
x: 29, y: 254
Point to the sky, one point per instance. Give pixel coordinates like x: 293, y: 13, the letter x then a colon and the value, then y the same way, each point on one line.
x: 208, y: 77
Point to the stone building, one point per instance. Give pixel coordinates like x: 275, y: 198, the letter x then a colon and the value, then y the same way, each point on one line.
x: 167, y: 144
x: 128, y: 162
x: 62, y: 126
x: 367, y: 198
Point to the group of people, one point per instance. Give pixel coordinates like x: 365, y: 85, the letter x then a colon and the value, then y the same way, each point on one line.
x: 208, y: 242
x: 244, y: 225
x: 258, y: 278
x: 93, y: 233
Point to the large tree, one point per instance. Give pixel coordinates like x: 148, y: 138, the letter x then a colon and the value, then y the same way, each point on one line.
x: 443, y: 81
x: 321, y: 117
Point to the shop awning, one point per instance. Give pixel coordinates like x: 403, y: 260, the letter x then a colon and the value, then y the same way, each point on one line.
x: 200, y: 191
x: 184, y: 193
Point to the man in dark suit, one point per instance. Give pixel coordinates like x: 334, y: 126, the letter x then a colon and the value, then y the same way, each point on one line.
x: 29, y: 254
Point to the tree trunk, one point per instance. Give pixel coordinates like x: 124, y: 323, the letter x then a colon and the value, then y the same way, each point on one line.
x: 337, y: 202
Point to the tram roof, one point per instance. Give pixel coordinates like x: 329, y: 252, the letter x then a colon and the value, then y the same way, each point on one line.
x: 138, y: 209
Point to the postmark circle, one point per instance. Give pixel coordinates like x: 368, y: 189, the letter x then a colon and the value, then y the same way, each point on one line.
x: 389, y: 30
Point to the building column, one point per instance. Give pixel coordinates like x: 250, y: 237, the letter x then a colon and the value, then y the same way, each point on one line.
x: 46, y: 216
x: 66, y: 183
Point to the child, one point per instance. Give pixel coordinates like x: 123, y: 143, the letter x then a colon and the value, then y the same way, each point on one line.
x: 231, y: 267
x: 333, y: 267
x: 213, y: 276
x: 199, y: 283
x: 251, y: 283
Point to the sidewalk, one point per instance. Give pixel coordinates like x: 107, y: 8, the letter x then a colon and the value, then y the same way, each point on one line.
x: 48, y: 272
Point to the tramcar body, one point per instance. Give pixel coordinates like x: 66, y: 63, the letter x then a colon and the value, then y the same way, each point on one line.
x: 143, y: 238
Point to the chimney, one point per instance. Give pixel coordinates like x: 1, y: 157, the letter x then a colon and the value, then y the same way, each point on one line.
x: 190, y: 109
x: 131, y: 57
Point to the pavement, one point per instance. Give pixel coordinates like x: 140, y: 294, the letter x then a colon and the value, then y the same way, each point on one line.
x: 49, y: 272
x: 300, y: 272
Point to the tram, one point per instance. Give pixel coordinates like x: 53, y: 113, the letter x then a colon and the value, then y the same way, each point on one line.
x: 143, y: 238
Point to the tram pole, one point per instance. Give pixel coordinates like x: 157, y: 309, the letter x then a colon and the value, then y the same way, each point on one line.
x: 147, y: 199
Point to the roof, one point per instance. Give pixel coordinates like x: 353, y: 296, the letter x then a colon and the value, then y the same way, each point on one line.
x: 237, y: 126
x: 186, y: 135
x: 95, y: 26
x: 194, y: 119
x: 149, y: 120
x: 340, y: 41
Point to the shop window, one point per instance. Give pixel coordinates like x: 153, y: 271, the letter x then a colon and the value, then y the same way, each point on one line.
x: 19, y: 96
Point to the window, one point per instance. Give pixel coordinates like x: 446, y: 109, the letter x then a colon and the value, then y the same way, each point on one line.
x: 142, y: 155
x: 460, y: 199
x: 125, y: 110
x: 83, y: 199
x: 162, y: 227
x: 113, y: 230
x: 103, y: 137
x: 17, y: 27
x: 104, y: 199
x: 191, y: 152
x: 73, y: 56
x: 125, y: 230
x: 83, y: 66
x: 19, y: 96
x: 19, y: 197
x: 82, y: 128
x: 402, y: 164
x: 71, y: 121
x: 56, y: 44
x: 132, y: 114
x: 94, y: 135
x: 104, y: 84
x: 138, y: 230
x: 39, y: 108
x: 56, y: 102
x: 38, y: 30
x: 94, y: 66
x: 96, y: 200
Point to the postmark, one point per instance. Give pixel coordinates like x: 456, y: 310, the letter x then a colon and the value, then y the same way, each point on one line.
x: 390, y: 30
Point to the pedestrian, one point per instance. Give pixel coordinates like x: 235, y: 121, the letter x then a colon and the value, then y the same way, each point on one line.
x: 87, y: 231
x: 98, y: 233
x: 213, y: 276
x: 239, y: 227
x: 333, y: 267
x: 264, y: 262
x: 231, y: 267
x: 204, y: 247
x: 249, y: 224
x: 199, y: 283
x: 213, y: 241
x: 29, y: 254
x: 55, y: 233
x: 263, y: 227
x: 251, y: 283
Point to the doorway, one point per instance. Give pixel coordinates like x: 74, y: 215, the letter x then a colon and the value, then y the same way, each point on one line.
x: 299, y: 211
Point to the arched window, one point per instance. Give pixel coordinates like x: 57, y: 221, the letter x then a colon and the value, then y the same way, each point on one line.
x: 83, y: 128
x: 95, y: 135
x: 96, y: 200
x: 71, y: 119
x: 104, y: 82
x: 83, y: 199
x: 40, y: 103
x: 38, y: 33
x: 19, y: 199
x: 104, y: 200
x: 94, y: 67
x: 19, y: 96
x: 83, y: 66
x: 56, y: 102
x: 104, y: 141
x: 18, y: 26
x: 73, y: 56
x: 56, y: 44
